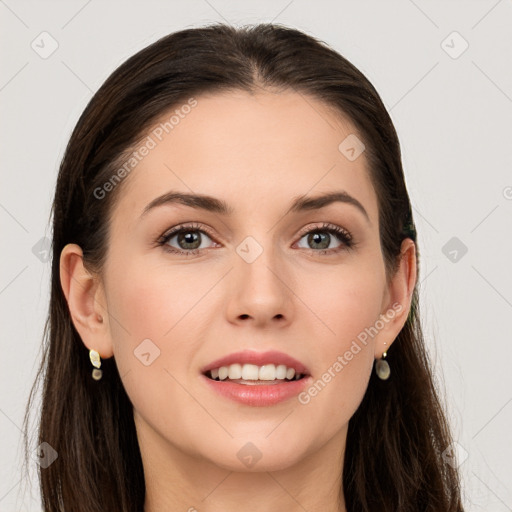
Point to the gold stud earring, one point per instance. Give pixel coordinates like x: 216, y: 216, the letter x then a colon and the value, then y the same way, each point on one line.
x: 382, y: 368
x: 96, y: 362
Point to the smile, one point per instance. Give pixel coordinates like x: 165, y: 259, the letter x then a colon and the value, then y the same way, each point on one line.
x: 251, y: 373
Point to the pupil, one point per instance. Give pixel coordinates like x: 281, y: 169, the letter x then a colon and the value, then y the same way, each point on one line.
x: 316, y: 238
x: 189, y: 238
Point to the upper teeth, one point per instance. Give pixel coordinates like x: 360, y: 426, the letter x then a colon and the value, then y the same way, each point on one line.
x: 254, y: 372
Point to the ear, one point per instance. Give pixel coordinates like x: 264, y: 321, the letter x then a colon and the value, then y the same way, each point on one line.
x: 86, y: 301
x: 397, y: 298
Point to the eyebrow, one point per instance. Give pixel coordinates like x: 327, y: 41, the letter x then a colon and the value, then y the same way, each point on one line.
x: 214, y: 205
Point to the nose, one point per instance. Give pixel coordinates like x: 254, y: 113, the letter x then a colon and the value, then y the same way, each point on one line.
x: 260, y: 291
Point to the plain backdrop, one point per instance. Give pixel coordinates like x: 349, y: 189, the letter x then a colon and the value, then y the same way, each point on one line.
x: 443, y: 69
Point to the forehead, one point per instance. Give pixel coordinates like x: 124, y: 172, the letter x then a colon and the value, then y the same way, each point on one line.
x: 250, y: 150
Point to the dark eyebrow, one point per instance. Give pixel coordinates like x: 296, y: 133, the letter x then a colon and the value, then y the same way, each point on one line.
x: 214, y: 205
x: 199, y: 201
x: 304, y: 203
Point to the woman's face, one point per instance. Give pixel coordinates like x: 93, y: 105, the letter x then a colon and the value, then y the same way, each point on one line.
x: 251, y: 278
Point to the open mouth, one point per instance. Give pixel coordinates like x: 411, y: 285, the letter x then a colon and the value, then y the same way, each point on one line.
x: 214, y: 375
x: 258, y: 385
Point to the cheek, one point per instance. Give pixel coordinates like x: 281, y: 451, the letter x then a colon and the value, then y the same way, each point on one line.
x: 345, y: 300
x: 146, y: 314
x: 152, y: 301
x: 140, y: 311
x: 347, y: 305
x: 152, y: 345
x: 158, y: 310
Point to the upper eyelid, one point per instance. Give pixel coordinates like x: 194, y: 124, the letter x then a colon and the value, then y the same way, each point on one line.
x: 197, y: 226
x: 181, y: 227
x: 326, y: 226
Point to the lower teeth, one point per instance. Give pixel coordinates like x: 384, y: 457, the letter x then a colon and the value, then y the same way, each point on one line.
x: 242, y: 381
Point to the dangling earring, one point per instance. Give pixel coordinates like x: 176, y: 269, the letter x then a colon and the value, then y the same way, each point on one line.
x: 382, y: 368
x: 96, y: 362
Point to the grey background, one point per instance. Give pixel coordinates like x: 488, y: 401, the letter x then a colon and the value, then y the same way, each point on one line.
x: 453, y: 114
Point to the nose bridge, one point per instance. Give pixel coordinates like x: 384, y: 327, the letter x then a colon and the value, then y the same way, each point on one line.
x: 260, y: 288
x: 258, y: 255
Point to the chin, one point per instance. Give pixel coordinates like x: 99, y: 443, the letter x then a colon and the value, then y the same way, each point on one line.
x: 255, y: 457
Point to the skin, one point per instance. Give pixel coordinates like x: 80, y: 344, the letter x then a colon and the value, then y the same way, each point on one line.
x: 263, y: 151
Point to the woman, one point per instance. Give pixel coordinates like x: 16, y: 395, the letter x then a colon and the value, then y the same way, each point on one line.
x: 234, y: 321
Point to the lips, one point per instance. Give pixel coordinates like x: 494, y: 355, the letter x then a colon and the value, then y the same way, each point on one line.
x: 259, y: 359
x: 257, y: 395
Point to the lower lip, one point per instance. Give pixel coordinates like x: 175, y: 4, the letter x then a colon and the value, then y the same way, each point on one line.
x: 258, y: 395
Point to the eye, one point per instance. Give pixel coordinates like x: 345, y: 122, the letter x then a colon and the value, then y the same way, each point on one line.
x: 320, y: 238
x: 189, y: 239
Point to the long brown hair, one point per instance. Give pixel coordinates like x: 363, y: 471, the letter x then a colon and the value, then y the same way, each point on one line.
x: 394, y: 458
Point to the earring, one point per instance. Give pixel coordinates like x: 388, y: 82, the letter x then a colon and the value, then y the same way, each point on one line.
x: 96, y: 362
x: 382, y: 368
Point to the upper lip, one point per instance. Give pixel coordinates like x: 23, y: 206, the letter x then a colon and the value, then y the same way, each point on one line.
x: 259, y: 359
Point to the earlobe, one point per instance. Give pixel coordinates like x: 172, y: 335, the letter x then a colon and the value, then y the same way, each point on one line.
x: 84, y: 295
x: 399, y: 296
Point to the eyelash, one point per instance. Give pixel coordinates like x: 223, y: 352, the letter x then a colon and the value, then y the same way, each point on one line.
x: 343, y: 236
